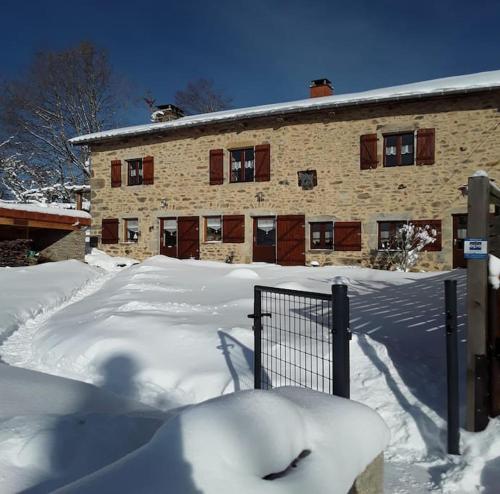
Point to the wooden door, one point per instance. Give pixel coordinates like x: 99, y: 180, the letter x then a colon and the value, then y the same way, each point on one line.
x: 291, y: 240
x: 459, y: 234
x: 168, y: 237
x: 188, y: 242
x: 264, y: 239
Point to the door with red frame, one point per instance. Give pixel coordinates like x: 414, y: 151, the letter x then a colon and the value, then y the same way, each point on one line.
x: 188, y: 242
x: 459, y: 235
x: 264, y: 239
x: 291, y: 240
x: 168, y: 237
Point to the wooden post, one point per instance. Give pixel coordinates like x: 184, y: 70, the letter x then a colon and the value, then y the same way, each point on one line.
x: 79, y: 200
x: 477, y: 306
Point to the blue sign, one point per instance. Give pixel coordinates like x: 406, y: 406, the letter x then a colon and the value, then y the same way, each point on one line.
x: 475, y: 248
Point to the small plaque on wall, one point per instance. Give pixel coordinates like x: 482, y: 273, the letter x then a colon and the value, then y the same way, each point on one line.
x: 308, y: 179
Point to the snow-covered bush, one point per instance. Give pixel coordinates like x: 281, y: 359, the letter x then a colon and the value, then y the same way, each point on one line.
x: 401, y: 251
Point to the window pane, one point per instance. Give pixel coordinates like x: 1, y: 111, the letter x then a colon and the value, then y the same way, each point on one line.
x: 132, y: 230
x: 249, y: 165
x: 266, y: 231
x: 391, y: 151
x: 214, y: 229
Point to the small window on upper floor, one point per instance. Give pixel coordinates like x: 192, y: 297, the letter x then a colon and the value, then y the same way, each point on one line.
x: 399, y: 149
x: 135, y: 172
x: 242, y: 165
x: 132, y: 230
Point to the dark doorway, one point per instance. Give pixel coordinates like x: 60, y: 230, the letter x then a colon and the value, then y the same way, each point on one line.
x: 264, y: 239
x: 168, y: 237
x: 291, y: 240
x: 459, y: 235
x: 188, y: 243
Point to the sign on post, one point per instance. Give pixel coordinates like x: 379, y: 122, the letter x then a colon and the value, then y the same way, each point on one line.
x: 475, y: 248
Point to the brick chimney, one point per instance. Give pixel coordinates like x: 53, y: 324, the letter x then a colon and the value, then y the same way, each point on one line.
x: 320, y: 87
x: 166, y: 113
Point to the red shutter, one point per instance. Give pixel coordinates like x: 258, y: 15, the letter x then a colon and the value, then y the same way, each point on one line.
x: 263, y: 163
x: 109, y: 232
x: 291, y: 240
x: 368, y: 157
x: 347, y: 235
x: 233, y: 229
x: 425, y: 146
x: 148, y: 170
x: 116, y: 173
x: 216, y: 166
x: 434, y: 225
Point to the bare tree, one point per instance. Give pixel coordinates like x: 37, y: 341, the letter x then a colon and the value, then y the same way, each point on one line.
x: 63, y: 94
x: 200, y: 96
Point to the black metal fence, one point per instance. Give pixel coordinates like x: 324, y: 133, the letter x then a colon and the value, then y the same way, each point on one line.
x: 302, y: 339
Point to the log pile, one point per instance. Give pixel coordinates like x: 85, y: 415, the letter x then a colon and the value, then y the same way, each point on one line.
x: 14, y: 253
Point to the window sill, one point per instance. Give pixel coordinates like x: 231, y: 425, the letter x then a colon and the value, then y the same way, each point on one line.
x: 320, y: 251
x: 129, y: 243
x: 212, y: 242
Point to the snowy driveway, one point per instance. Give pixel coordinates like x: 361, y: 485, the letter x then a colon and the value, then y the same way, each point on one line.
x: 169, y: 333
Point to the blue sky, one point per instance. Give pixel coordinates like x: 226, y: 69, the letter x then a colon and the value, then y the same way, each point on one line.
x: 261, y: 51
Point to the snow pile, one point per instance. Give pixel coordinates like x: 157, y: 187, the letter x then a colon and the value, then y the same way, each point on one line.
x: 108, y: 263
x: 494, y: 271
x: 27, y: 291
x: 227, y: 445
x: 447, y: 85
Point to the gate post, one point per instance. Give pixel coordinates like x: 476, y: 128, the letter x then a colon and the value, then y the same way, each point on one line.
x: 257, y: 335
x: 450, y: 297
x: 477, y: 306
x: 340, y: 341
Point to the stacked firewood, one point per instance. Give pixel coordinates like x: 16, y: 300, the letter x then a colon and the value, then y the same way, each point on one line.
x: 15, y: 253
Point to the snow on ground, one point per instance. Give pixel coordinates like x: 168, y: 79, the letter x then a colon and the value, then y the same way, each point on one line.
x: 170, y: 333
x: 329, y: 428
x: 28, y: 291
x: 108, y: 263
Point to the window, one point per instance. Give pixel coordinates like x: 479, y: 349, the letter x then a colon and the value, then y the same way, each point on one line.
x: 242, y: 165
x: 131, y: 230
x: 170, y: 233
x: 266, y: 231
x: 135, y: 172
x: 213, y: 229
x: 399, y: 149
x: 387, y: 231
x: 322, y: 235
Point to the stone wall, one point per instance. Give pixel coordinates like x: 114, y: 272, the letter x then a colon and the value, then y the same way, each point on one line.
x: 467, y: 139
x: 63, y: 245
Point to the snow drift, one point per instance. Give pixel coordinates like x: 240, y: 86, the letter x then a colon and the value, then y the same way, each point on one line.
x: 228, y: 444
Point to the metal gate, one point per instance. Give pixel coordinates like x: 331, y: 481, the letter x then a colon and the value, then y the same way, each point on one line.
x: 301, y: 339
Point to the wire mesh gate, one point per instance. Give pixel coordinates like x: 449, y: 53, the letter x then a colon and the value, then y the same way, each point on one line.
x: 301, y: 339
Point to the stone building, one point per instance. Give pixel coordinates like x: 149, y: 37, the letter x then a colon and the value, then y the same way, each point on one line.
x: 326, y: 179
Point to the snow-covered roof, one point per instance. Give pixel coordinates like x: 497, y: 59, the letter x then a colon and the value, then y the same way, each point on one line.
x: 448, y: 85
x: 32, y: 208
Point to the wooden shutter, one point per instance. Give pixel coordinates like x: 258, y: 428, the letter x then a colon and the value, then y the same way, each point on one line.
x: 233, y: 229
x: 116, y: 173
x: 263, y: 163
x: 216, y: 166
x: 435, y: 225
x: 291, y: 236
x: 425, y: 146
x: 368, y: 157
x: 109, y: 232
x: 347, y: 235
x: 148, y: 170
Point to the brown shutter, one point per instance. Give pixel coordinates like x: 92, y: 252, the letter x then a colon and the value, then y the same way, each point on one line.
x: 148, y: 170
x: 263, y: 163
x: 368, y: 157
x: 436, y: 225
x: 233, y: 229
x: 109, y: 232
x: 347, y: 235
x: 216, y: 166
x: 425, y: 146
x: 116, y: 173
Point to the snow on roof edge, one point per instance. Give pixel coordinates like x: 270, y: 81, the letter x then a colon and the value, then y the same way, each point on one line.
x: 445, y: 86
x: 32, y: 208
